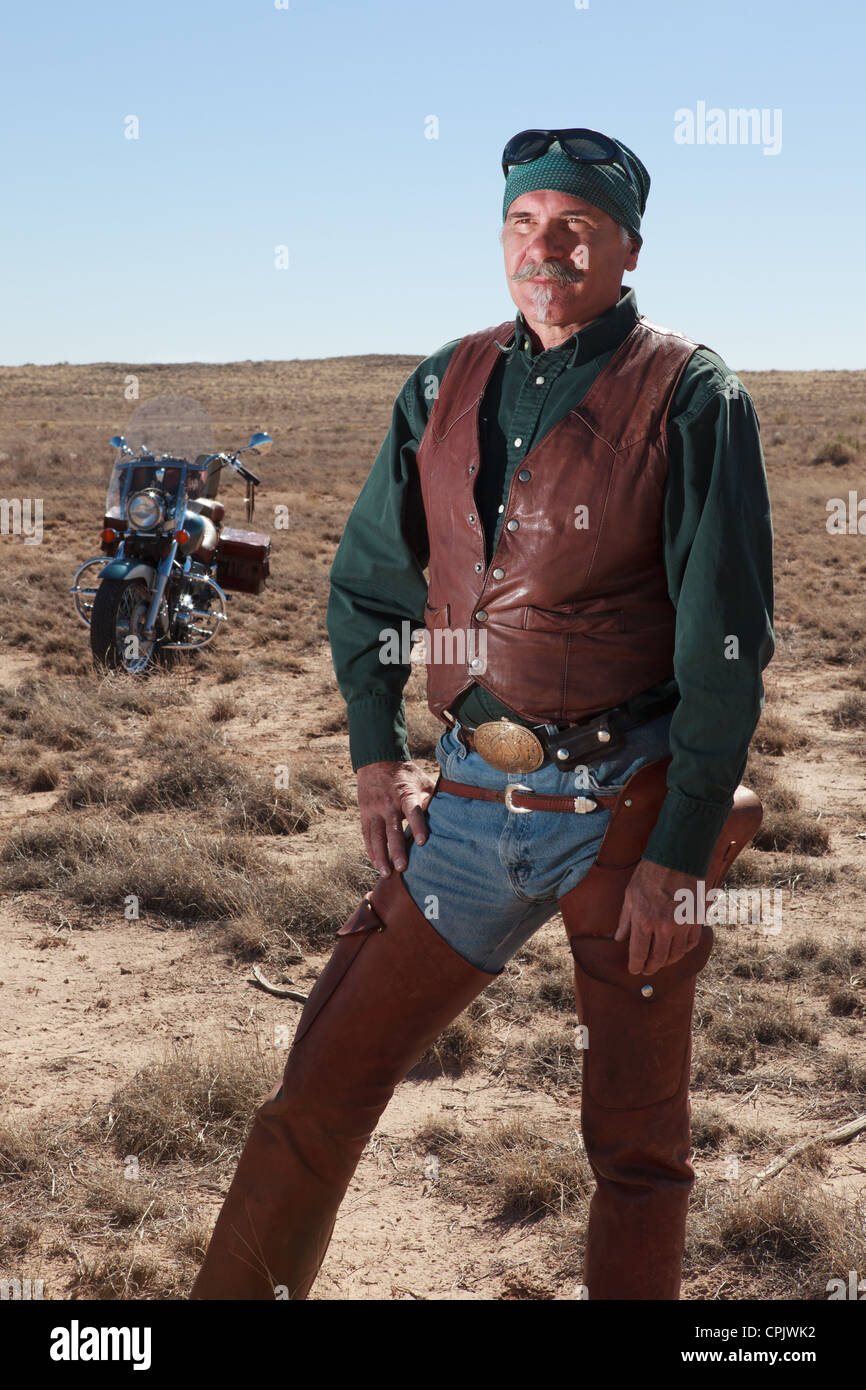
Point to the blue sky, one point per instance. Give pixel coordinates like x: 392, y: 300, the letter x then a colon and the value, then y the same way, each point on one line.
x: 304, y: 127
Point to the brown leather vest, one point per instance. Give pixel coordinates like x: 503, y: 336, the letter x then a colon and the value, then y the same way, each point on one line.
x: 572, y: 615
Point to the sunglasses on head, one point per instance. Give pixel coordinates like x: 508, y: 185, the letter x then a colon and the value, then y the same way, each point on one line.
x: 583, y: 146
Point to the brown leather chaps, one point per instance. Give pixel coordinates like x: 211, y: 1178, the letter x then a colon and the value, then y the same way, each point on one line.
x: 635, y: 1112
x: 390, y: 987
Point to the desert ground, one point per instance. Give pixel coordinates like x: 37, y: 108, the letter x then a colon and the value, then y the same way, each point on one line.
x: 135, y: 1049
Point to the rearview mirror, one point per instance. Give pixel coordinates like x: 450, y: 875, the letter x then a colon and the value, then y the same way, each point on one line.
x: 260, y: 443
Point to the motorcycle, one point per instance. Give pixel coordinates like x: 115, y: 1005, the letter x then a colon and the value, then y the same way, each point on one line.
x: 167, y: 560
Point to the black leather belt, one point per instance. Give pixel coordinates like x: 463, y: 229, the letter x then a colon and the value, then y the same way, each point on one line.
x: 502, y: 741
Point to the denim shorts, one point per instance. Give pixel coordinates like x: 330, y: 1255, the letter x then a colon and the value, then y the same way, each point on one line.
x: 487, y: 878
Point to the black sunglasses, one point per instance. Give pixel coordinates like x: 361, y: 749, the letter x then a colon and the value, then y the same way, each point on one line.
x: 583, y: 146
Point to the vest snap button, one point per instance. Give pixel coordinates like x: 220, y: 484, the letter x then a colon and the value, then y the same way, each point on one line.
x: 518, y: 442
x: 524, y: 475
x: 480, y: 615
x: 513, y: 526
x: 478, y: 567
x: 499, y: 574
x: 472, y: 468
x: 476, y: 663
x: 471, y: 516
x: 647, y: 991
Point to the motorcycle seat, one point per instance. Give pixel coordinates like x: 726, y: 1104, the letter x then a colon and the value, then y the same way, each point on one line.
x: 208, y: 507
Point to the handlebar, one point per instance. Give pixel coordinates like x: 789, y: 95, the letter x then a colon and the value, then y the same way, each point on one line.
x: 221, y: 459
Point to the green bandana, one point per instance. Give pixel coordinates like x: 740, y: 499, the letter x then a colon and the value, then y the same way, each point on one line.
x: 606, y: 186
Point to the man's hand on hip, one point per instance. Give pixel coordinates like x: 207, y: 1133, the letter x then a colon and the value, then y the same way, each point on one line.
x: 388, y: 793
x: 647, y: 918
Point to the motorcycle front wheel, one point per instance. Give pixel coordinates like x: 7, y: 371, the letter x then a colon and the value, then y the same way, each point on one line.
x: 116, y: 623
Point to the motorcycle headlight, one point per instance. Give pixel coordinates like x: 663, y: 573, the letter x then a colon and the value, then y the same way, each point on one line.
x: 145, y: 511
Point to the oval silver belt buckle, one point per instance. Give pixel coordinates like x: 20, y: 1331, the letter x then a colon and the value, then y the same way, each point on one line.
x: 508, y: 747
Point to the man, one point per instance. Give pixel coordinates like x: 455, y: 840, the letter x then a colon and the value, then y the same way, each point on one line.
x: 589, y: 493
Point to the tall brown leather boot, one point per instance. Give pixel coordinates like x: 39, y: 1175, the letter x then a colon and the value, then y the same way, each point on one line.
x: 389, y: 988
x: 635, y: 1110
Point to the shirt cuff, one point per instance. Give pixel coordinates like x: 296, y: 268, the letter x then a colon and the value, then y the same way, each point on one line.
x: 377, y: 731
x: 686, y: 833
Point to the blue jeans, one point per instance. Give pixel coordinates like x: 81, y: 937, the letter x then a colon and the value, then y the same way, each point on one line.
x: 487, y: 878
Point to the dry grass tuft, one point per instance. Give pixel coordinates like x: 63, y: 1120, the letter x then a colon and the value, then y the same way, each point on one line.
x: 188, y: 773
x: 88, y: 788
x: 117, y: 1275
x: 775, y: 736
x: 438, y: 1134
x: 850, y: 714
x: 730, y: 1042
x: 192, y: 1240
x: 710, y: 1128
x: 792, y: 832
x: 192, y: 1105
x: 526, y: 1174
x: 551, y: 1056
x: 787, y: 1239
x: 123, y: 1202
x: 278, y: 811
x: 26, y: 1150
x: 44, y: 777
x: 844, y: 1003
x: 222, y: 709
x: 185, y: 875
x: 836, y: 451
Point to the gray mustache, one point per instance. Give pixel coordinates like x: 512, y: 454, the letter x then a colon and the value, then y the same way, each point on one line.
x: 551, y: 270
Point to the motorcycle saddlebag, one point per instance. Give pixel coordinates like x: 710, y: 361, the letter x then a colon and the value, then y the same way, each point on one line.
x: 243, y: 560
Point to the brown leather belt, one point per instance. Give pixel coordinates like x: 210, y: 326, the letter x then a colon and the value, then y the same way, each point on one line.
x: 518, y: 797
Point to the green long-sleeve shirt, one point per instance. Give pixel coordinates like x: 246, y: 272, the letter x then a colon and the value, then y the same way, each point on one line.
x: 718, y: 548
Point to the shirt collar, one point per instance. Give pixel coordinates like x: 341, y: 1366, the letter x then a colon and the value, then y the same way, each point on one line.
x: 602, y: 335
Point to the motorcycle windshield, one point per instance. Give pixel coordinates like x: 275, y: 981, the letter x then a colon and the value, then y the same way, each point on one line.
x: 174, y: 480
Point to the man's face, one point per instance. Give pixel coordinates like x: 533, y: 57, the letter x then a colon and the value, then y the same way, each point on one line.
x: 564, y: 258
